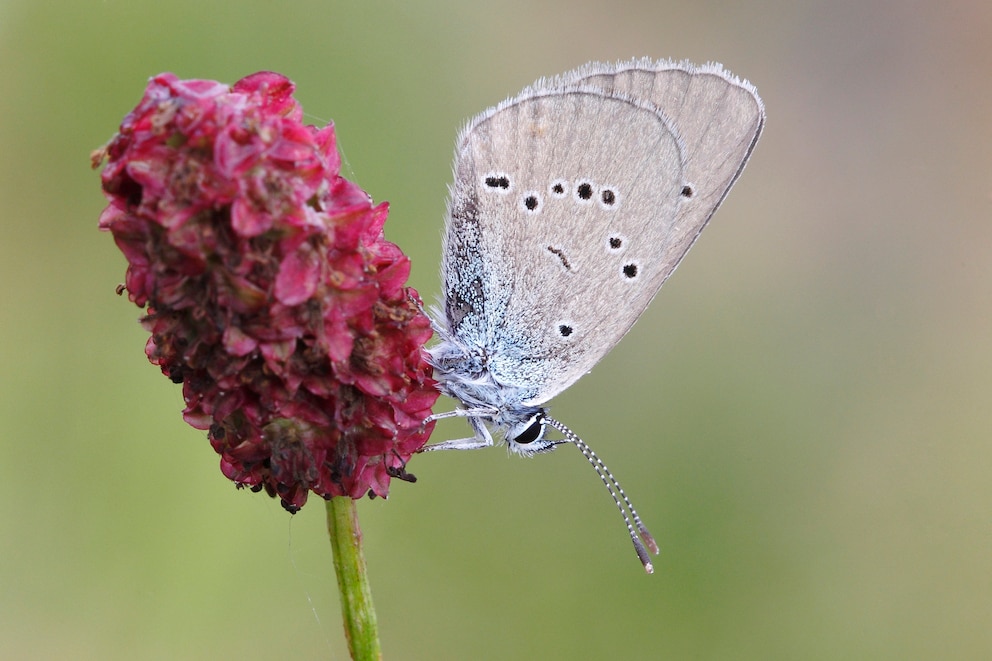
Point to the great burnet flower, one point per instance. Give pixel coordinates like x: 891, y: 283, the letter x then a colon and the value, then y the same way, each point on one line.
x: 269, y: 290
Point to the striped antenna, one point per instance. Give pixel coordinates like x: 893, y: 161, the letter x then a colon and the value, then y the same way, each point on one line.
x: 619, y: 497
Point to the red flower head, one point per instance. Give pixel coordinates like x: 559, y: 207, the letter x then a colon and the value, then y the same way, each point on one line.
x: 270, y: 292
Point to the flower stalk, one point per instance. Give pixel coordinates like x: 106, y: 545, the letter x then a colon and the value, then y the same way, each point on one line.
x: 360, y: 624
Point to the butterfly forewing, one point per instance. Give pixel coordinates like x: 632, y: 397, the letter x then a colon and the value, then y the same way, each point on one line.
x: 571, y: 195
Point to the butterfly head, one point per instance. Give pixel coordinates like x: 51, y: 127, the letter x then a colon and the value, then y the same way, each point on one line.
x: 526, y: 437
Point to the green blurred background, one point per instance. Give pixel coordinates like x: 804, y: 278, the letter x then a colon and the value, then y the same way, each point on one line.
x: 802, y: 417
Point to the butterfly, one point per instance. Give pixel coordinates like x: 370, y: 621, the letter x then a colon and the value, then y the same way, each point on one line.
x: 572, y: 204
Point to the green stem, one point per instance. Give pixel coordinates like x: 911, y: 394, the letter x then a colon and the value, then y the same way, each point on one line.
x: 360, y: 624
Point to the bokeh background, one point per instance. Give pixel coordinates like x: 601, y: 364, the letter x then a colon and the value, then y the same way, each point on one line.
x: 803, y: 416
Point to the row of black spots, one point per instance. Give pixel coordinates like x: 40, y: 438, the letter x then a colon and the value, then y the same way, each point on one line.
x: 616, y: 244
x: 584, y: 192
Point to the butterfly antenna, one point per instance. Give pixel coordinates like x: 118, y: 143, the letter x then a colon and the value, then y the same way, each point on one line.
x: 619, y: 497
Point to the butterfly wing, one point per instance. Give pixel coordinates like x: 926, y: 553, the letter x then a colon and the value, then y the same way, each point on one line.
x: 717, y: 116
x: 569, y: 210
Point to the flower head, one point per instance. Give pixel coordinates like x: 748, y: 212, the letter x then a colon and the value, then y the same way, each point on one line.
x: 269, y: 290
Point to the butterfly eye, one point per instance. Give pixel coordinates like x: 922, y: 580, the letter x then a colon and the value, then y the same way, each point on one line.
x: 533, y: 432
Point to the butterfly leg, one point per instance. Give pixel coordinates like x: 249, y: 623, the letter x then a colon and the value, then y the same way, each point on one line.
x: 438, y: 328
x: 482, y: 438
x: 461, y: 413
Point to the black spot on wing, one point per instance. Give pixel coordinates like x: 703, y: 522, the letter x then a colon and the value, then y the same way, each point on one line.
x: 561, y: 255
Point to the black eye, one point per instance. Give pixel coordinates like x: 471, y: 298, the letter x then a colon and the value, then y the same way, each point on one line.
x: 531, y: 434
